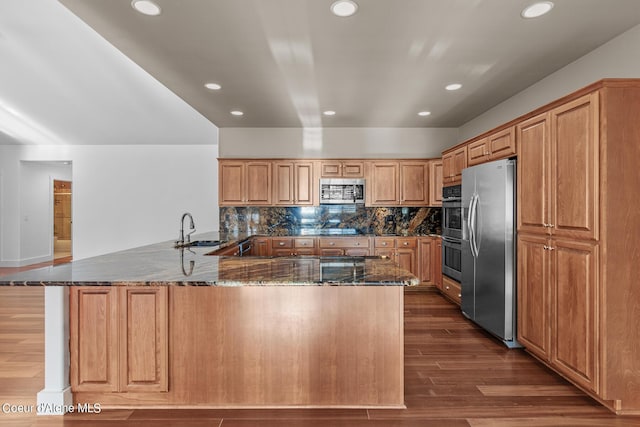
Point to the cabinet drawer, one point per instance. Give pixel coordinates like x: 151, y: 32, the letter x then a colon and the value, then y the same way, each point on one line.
x: 452, y: 290
x: 385, y: 242
x: 306, y: 242
x: 406, y: 242
x: 344, y: 242
x: 281, y: 242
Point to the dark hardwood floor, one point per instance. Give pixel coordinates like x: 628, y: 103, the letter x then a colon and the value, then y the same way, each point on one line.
x: 456, y: 375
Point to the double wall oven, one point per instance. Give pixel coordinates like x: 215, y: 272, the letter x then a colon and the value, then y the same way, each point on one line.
x: 452, y: 232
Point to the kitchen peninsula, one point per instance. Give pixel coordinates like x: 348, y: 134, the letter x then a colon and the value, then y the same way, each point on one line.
x: 162, y: 327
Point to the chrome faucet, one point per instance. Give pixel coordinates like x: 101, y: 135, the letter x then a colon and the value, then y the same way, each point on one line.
x: 192, y: 227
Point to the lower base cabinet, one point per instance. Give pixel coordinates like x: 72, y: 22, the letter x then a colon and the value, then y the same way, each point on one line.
x: 118, y: 339
x: 557, y: 305
x: 452, y: 290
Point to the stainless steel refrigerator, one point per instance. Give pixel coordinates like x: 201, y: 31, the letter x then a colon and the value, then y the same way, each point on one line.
x: 488, y: 248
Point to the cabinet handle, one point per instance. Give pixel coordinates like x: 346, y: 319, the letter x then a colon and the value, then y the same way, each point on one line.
x: 357, y: 243
x: 332, y: 244
x: 281, y: 243
x: 384, y: 243
x: 551, y: 225
x: 459, y: 295
x: 551, y: 248
x: 406, y: 243
x: 447, y: 287
x: 545, y: 225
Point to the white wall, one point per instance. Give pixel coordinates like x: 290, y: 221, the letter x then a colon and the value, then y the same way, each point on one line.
x: 618, y: 58
x: 36, y: 209
x: 336, y: 142
x: 123, y: 196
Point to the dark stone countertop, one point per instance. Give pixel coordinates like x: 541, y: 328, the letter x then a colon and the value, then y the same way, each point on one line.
x: 161, y: 264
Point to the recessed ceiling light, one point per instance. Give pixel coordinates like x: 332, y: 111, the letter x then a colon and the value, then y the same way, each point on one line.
x: 237, y: 112
x: 344, y: 8
x: 329, y: 113
x: 146, y: 7
x: 424, y: 113
x: 453, y: 86
x: 536, y: 9
x: 213, y: 86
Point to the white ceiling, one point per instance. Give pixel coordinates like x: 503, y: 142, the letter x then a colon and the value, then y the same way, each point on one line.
x: 61, y: 83
x: 285, y: 61
x: 281, y: 61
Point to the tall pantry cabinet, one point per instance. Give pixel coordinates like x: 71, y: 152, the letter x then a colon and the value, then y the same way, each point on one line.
x: 578, y: 221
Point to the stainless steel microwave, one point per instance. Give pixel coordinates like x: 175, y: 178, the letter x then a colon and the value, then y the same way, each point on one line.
x: 341, y: 191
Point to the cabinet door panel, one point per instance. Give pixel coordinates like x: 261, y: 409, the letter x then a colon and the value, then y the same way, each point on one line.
x: 574, y: 309
x: 304, y: 184
x: 353, y: 169
x: 143, y: 339
x: 459, y: 162
x: 437, y: 263
x: 534, y: 289
x: 447, y: 168
x: 425, y: 259
x: 533, y: 174
x: 414, y: 183
x: 406, y: 258
x: 478, y: 152
x: 435, y: 183
x: 575, y: 168
x: 283, y: 186
x: 93, y: 328
x: 330, y: 169
x: 258, y: 182
x: 502, y: 144
x: 231, y: 183
x: 384, y: 185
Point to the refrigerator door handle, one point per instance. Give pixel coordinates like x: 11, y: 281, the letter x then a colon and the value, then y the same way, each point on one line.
x: 472, y: 225
x: 469, y: 226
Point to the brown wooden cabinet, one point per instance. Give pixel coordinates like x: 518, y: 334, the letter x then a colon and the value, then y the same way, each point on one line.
x: 294, y: 183
x: 383, y: 183
x: 452, y: 290
x: 342, y: 169
x: 452, y: 164
x: 293, y: 246
x: 425, y: 260
x: 436, y: 263
x: 349, y: 246
x: 414, y: 183
x: 402, y: 250
x: 534, y: 295
x: 558, y: 171
x: 577, y: 213
x: 495, y: 146
x: 260, y: 246
x: 244, y: 183
x: 435, y: 183
x: 118, y: 339
x: 397, y: 183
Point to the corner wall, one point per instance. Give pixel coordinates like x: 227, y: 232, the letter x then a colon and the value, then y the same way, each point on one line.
x: 335, y: 142
x: 617, y: 58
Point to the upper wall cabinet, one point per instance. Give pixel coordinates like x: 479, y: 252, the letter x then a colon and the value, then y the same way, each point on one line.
x: 435, y: 182
x: 558, y: 171
x: 383, y: 183
x: 452, y: 164
x: 341, y: 169
x: 496, y: 146
x: 244, y: 183
x: 294, y: 183
x: 397, y: 183
x: 414, y: 183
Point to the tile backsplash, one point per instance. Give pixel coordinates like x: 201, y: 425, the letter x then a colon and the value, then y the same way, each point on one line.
x: 349, y: 218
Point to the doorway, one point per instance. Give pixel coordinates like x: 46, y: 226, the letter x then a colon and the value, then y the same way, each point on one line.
x: 62, y: 219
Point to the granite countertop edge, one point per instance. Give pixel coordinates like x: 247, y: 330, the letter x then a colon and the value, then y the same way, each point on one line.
x: 161, y: 264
